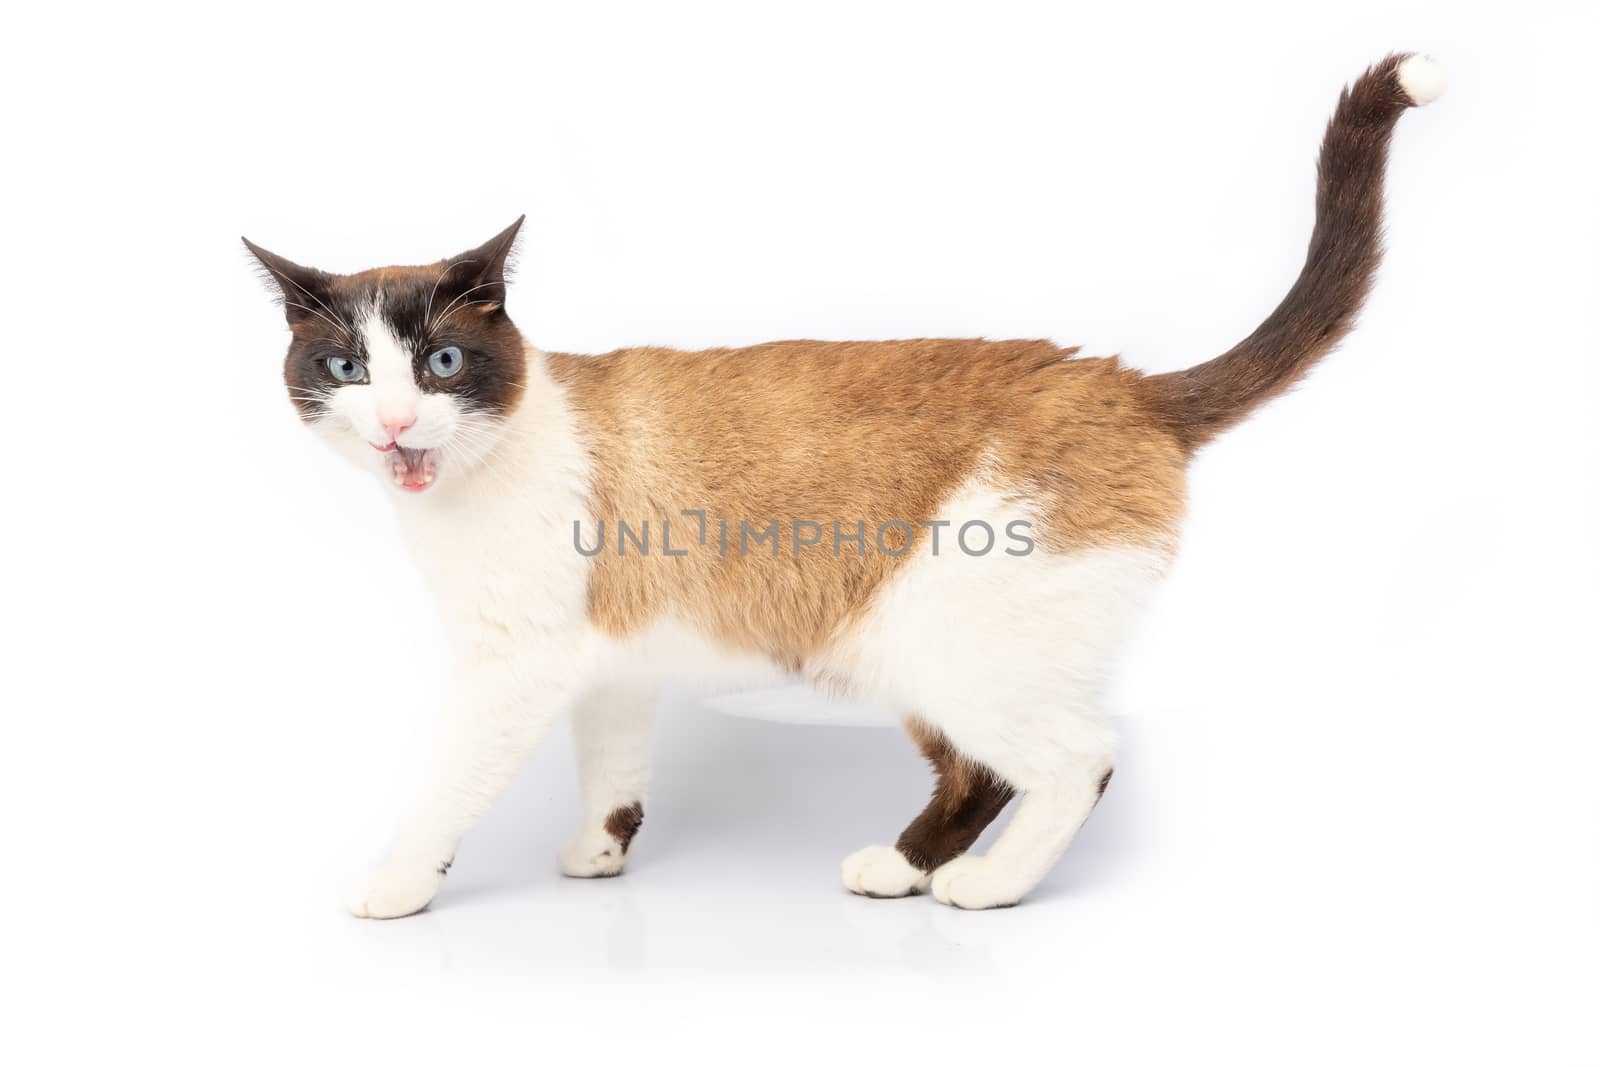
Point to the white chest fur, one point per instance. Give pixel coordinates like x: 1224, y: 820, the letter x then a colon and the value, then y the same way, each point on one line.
x: 496, y: 542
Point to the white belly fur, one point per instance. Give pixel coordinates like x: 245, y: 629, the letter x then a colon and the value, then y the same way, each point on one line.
x: 948, y: 637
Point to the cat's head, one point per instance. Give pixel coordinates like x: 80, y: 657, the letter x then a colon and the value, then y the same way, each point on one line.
x: 410, y: 371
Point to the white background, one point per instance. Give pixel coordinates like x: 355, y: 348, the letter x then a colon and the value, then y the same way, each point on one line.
x: 1356, y: 816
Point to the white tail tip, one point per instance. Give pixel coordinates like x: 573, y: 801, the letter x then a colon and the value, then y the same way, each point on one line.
x: 1422, y: 78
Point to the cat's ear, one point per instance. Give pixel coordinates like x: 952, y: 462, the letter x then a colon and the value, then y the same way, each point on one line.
x: 304, y: 289
x: 481, y: 273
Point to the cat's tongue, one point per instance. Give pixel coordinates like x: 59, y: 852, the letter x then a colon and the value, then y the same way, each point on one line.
x: 412, y: 469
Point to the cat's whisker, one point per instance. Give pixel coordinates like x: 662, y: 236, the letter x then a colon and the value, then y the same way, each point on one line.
x: 463, y: 295
x: 455, y: 452
x: 427, y: 315
x: 336, y: 325
x: 446, y: 312
x: 469, y: 427
x: 335, y: 322
x: 482, y: 463
x: 321, y: 304
x: 487, y: 450
x: 445, y: 315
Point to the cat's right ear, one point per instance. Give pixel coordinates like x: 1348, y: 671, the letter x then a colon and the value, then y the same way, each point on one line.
x: 304, y: 289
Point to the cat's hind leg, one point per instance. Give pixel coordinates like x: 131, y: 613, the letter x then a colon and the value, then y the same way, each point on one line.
x: 1041, y: 732
x: 1006, y: 658
x: 966, y: 798
x: 1049, y: 812
x: 611, y: 728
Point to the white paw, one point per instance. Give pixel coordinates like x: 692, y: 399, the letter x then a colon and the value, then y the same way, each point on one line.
x: 880, y: 871
x: 394, y: 890
x: 975, y: 883
x: 592, y: 855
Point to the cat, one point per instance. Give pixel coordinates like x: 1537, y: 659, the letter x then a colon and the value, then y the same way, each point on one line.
x: 961, y: 529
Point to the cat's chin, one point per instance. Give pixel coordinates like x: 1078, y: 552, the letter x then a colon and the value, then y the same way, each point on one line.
x: 413, y: 470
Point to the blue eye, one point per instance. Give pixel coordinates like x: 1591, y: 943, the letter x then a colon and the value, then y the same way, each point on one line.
x: 345, y: 369
x: 446, y: 362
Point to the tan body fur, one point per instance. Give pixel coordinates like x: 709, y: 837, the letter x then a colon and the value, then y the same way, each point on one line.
x: 872, y: 432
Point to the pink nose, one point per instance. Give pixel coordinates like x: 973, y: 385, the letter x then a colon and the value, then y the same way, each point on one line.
x: 397, y: 424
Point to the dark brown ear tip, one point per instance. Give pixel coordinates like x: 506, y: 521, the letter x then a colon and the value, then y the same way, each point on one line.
x: 261, y: 254
x: 501, y: 248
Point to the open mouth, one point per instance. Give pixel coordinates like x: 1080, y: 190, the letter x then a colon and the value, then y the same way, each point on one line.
x: 413, y: 469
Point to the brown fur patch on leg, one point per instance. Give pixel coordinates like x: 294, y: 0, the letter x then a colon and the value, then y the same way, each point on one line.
x: 623, y: 823
x: 966, y: 798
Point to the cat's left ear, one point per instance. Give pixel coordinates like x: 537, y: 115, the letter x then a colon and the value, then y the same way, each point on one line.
x: 304, y: 289
x: 481, y: 273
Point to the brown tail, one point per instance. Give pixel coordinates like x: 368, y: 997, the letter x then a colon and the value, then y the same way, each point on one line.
x: 1199, y: 403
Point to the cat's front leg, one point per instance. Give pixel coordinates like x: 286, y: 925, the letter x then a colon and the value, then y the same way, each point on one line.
x: 611, y: 728
x: 505, y: 706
